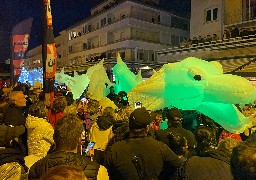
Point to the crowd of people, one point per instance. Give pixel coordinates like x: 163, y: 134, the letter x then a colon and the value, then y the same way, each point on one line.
x: 234, y: 32
x: 78, y: 139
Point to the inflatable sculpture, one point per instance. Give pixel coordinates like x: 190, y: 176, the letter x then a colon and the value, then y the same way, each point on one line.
x: 125, y: 79
x: 195, y: 84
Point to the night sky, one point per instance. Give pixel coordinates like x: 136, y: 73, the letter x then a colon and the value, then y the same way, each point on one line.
x: 65, y: 13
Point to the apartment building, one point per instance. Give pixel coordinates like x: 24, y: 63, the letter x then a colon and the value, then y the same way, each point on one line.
x: 234, y: 44
x: 135, y: 29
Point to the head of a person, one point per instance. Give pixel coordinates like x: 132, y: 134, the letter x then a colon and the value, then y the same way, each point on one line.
x: 38, y: 109
x: 204, y: 136
x: 174, y: 117
x: 226, y: 145
x: 109, y: 111
x: 93, y: 106
x: 243, y: 161
x: 18, y: 98
x: 59, y: 104
x: 112, y: 90
x: 67, y: 133
x: 139, y: 121
x: 156, y: 116
x: 124, y: 113
x: 68, y: 172
x: 178, y: 144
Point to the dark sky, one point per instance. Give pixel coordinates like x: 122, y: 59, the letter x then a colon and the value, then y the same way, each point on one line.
x: 65, y: 13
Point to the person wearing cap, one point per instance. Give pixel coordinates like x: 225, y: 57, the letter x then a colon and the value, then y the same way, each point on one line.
x: 139, y: 156
x: 174, y: 117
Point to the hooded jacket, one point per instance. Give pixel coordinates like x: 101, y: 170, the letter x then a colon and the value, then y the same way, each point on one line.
x: 89, y: 167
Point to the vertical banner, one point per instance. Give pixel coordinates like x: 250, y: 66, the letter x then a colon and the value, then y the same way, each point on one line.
x: 48, y: 52
x: 19, y: 45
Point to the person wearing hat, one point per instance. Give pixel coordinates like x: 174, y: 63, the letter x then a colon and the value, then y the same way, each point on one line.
x: 174, y: 117
x: 140, y: 156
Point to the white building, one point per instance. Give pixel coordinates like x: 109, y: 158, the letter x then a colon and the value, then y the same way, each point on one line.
x: 135, y: 29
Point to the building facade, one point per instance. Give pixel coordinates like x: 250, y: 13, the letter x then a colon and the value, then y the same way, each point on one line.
x: 135, y: 29
x: 234, y: 46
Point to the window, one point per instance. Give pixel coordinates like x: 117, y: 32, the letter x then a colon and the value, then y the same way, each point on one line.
x: 211, y: 14
x: 84, y: 46
x: 103, y: 22
x: 179, y: 23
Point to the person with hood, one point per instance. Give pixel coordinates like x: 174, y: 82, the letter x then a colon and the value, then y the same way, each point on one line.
x: 40, y: 133
x: 100, y: 133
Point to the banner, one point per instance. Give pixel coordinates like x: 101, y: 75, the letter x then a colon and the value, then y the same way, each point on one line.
x: 48, y: 53
x: 19, y: 45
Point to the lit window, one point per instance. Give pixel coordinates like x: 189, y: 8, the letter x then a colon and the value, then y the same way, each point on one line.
x: 211, y: 14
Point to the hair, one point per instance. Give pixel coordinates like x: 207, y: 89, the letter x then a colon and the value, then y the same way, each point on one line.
x: 38, y: 109
x: 124, y: 113
x: 59, y: 104
x: 68, y: 172
x: 177, y: 144
x: 12, y: 94
x: 243, y: 161
x: 93, y: 106
x: 205, y: 138
x: 67, y: 132
x: 155, y: 113
x: 109, y: 111
x: 227, y: 145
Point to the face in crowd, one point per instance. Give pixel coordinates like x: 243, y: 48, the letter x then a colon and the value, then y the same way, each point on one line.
x: 19, y: 99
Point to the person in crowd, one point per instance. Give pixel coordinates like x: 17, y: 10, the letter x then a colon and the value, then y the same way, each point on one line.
x: 139, y: 156
x: 40, y: 133
x: 208, y: 38
x: 157, y: 118
x: 206, y: 140
x: 194, y: 41
x: 57, y: 110
x: 190, y: 120
x: 174, y: 117
x: 91, y: 113
x: 184, y: 42
x: 243, y: 161
x: 67, y: 138
x: 101, y: 132
x: 200, y: 39
x: 178, y: 145
x: 234, y: 32
x: 226, y: 34
x: 189, y: 42
x: 213, y: 167
x: 112, y: 95
x: 14, y: 116
x: 67, y: 172
x: 121, y: 100
x: 122, y: 118
x: 215, y: 37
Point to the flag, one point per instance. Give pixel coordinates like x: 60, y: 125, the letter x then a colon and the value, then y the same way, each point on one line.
x: 19, y: 45
x: 48, y: 53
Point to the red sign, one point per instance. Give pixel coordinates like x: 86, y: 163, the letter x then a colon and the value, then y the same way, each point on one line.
x: 20, y: 43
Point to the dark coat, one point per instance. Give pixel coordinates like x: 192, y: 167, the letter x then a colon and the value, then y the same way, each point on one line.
x: 161, y: 135
x: 141, y: 158
x: 64, y: 158
x: 14, y: 116
x: 205, y: 168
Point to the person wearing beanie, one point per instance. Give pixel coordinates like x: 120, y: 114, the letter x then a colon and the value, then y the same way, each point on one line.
x: 174, y: 117
x: 140, y: 156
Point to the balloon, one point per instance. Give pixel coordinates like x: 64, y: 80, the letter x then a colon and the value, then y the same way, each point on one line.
x: 195, y: 84
x: 125, y: 79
